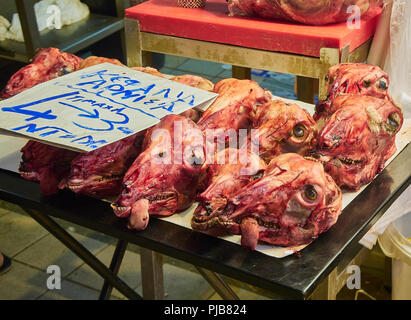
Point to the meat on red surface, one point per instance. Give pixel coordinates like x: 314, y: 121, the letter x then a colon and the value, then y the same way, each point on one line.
x: 163, y: 178
x: 48, y: 63
x: 315, y: 12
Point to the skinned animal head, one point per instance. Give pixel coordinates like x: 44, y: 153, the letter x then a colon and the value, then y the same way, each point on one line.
x: 231, y: 170
x: 234, y: 106
x: 45, y: 164
x: 358, y: 138
x: 353, y: 78
x: 291, y: 204
x: 282, y: 128
x: 163, y: 178
x: 48, y: 63
x: 100, y: 172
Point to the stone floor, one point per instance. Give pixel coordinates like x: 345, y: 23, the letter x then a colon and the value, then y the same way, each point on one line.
x: 33, y: 249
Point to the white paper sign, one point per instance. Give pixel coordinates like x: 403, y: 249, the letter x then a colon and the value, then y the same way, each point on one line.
x: 96, y: 106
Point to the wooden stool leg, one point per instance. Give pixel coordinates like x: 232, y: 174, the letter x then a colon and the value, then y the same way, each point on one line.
x: 305, y: 89
x: 241, y: 72
x: 134, y: 55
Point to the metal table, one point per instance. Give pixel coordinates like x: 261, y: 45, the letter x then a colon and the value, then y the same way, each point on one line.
x: 318, y: 272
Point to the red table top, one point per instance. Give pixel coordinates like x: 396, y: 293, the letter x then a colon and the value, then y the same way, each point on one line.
x: 213, y: 24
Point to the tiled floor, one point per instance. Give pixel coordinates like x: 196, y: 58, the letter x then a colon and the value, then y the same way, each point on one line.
x: 33, y: 249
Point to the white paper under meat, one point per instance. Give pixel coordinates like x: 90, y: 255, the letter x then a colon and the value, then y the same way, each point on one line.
x: 10, y: 157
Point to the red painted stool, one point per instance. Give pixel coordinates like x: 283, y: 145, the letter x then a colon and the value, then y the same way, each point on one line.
x: 210, y: 34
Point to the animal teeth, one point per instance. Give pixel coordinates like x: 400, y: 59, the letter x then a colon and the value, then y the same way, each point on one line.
x: 119, y: 208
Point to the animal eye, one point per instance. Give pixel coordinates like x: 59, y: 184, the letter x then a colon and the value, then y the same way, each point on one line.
x: 382, y: 84
x: 299, y: 131
x: 392, y: 121
x: 326, y: 78
x: 162, y: 154
x: 310, y: 193
x: 367, y: 83
x: 256, y: 176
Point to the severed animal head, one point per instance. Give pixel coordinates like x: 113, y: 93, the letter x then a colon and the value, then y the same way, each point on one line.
x: 353, y: 78
x: 93, y: 60
x: 100, y: 172
x: 48, y: 63
x: 234, y: 106
x: 291, y: 204
x: 358, y: 138
x: 163, y: 178
x: 231, y: 170
x: 45, y: 164
x: 281, y: 128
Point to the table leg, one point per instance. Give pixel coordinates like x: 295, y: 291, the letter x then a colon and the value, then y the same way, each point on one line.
x: 241, y: 72
x: 76, y: 247
x: 114, y: 267
x: 305, y: 89
x: 152, y: 274
x: 218, y: 283
x: 134, y: 55
x: 337, y: 279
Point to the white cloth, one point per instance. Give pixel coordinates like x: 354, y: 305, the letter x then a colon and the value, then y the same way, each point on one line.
x: 400, y: 207
x: 71, y: 12
x: 398, y: 61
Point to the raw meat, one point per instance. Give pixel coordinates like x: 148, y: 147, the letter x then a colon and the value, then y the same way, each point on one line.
x: 358, y: 138
x: 163, y: 178
x: 45, y: 164
x: 100, y: 172
x: 315, y: 12
x: 48, y: 63
x: 291, y: 204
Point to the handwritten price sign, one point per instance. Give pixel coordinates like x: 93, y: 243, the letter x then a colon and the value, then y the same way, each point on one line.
x: 96, y: 106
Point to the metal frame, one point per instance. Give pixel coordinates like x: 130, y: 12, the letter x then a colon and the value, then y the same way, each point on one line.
x: 306, y: 68
x: 111, y: 279
x: 33, y: 39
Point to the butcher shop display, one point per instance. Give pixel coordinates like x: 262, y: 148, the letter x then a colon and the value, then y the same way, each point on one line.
x: 358, y: 138
x: 291, y: 204
x: 313, y: 12
x: 283, y: 127
x: 163, y: 178
x: 280, y: 185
